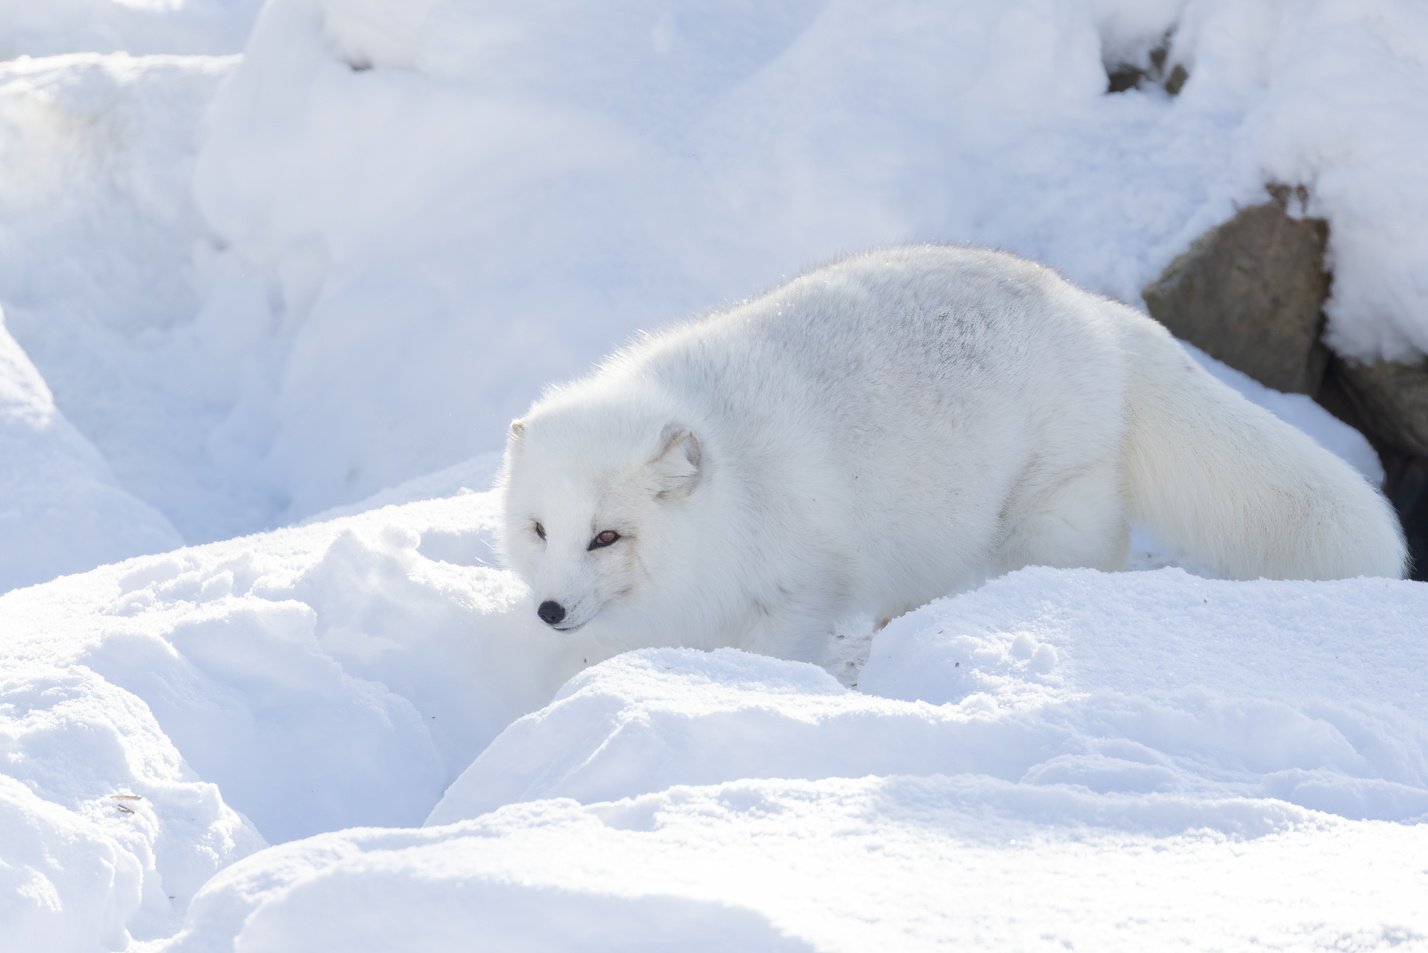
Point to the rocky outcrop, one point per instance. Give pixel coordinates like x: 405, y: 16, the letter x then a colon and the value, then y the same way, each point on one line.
x: 1157, y: 69
x: 1250, y: 292
x: 1393, y: 399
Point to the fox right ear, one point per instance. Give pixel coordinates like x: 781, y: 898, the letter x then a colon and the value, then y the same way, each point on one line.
x: 518, y: 429
x: 678, y: 465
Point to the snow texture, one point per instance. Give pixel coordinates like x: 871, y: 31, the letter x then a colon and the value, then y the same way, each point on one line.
x: 289, y: 271
x: 1158, y: 759
x: 61, y: 508
x: 50, y: 27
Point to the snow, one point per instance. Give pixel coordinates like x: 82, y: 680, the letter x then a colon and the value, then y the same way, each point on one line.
x: 130, y: 26
x: 98, y: 283
x: 63, y: 508
x: 1136, y: 751
x: 908, y: 863
x: 273, y: 281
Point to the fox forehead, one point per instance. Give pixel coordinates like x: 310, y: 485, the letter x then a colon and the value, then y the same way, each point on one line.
x: 570, y: 503
x: 574, y: 479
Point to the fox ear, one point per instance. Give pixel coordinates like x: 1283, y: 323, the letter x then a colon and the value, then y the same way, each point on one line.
x: 518, y: 429
x: 678, y: 464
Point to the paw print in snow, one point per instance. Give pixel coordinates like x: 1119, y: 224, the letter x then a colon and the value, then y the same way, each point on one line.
x: 1037, y: 657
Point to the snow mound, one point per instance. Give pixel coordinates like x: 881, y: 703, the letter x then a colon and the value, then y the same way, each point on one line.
x: 1130, y: 684
x: 331, y: 688
x: 98, y: 275
x: 106, y: 831
x: 907, y: 863
x: 125, y: 26
x: 162, y: 717
x: 323, y: 677
x: 1299, y: 691
x: 1131, y: 750
x: 61, y: 507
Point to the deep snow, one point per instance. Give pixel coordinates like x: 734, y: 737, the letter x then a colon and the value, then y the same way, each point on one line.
x: 1131, y: 761
x: 306, y: 286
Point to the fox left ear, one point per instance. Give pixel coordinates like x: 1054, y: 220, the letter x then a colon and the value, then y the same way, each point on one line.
x: 677, y: 467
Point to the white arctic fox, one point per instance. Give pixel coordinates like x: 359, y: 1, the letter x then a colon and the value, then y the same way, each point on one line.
x: 892, y: 428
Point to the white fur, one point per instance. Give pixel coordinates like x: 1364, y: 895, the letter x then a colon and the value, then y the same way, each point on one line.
x: 894, y: 427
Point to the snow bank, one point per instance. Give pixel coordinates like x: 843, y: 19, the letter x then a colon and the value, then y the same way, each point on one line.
x: 905, y: 863
x: 1112, y: 683
x: 1134, y: 750
x: 61, y: 508
x: 106, y: 832
x: 99, y: 281
x: 1320, y: 92
x: 49, y: 27
x: 298, y: 668
x: 162, y: 717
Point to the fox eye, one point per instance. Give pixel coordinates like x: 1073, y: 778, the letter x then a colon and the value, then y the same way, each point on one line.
x: 540, y: 530
x: 603, y: 539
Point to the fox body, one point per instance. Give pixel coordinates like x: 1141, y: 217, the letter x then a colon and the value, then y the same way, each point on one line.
x: 891, y: 428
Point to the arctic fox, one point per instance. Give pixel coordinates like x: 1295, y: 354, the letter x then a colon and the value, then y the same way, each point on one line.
x: 887, y: 430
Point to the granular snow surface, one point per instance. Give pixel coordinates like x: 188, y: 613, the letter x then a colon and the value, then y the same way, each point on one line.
x: 1139, y: 760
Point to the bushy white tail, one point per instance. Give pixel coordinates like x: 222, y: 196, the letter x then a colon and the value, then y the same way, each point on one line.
x: 1240, y: 491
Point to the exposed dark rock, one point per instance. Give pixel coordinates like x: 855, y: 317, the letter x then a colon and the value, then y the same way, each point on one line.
x: 1357, y: 396
x: 1249, y: 292
x: 1155, y: 70
x: 1176, y: 80
x: 1124, y: 77
x: 1392, y: 399
x: 1407, y: 487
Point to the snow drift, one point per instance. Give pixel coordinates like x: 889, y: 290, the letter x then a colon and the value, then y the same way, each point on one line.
x: 1072, y: 736
x: 62, y: 510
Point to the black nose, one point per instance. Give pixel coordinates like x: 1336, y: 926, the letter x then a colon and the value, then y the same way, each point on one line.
x: 551, y: 612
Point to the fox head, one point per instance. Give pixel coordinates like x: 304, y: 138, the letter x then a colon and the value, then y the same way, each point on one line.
x: 591, y: 505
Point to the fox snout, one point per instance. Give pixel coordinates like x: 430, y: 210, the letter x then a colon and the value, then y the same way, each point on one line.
x: 558, y: 617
